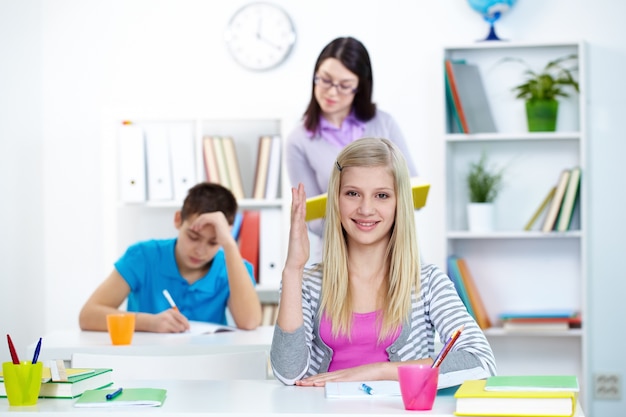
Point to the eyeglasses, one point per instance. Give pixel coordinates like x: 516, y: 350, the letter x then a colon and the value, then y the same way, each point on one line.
x: 327, y: 84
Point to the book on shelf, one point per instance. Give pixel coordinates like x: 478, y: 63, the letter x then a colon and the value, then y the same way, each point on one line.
x: 78, y: 381
x: 129, y: 397
x: 183, y: 159
x: 454, y: 92
x: 220, y: 159
x: 132, y: 163
x: 262, y: 164
x: 454, y: 122
x: 455, y: 275
x: 566, y: 313
x: 236, y: 227
x: 569, y: 200
x: 158, y: 162
x: 273, y: 169
x: 210, y: 160
x: 472, y: 98
x: 555, y: 205
x: 542, y: 207
x: 480, y: 312
x: 232, y: 167
x: 249, y: 239
x: 316, y: 206
x: 472, y: 399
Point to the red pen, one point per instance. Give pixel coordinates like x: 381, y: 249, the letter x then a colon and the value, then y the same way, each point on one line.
x: 447, y: 346
x: 14, y: 357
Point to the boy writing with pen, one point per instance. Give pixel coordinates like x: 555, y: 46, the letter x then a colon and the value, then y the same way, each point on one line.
x: 201, y: 270
x: 370, y: 305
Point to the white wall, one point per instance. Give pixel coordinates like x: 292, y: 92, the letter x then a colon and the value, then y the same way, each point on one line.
x: 67, y: 65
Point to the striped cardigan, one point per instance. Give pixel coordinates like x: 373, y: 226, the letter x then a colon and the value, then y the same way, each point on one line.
x: 437, y: 308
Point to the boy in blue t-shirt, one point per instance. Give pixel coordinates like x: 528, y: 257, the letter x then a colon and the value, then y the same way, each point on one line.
x: 202, y: 270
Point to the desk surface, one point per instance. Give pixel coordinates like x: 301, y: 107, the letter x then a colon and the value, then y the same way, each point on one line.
x: 241, y: 398
x: 61, y: 344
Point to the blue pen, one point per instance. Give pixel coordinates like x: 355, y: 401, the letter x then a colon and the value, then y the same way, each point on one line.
x: 37, y: 349
x: 369, y: 390
x: 114, y: 394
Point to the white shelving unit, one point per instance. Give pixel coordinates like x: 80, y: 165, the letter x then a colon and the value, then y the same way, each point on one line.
x: 516, y: 269
x: 150, y: 219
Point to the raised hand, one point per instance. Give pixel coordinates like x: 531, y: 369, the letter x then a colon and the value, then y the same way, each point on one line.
x: 298, y: 251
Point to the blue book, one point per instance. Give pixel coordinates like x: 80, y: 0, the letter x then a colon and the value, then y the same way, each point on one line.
x: 455, y: 276
x: 237, y: 225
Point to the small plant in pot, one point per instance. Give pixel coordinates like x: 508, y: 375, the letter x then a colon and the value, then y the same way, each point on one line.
x: 541, y: 90
x: 484, y: 184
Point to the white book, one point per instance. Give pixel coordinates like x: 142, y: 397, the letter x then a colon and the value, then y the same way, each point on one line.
x: 183, y: 159
x: 132, y: 164
x: 158, y: 160
x: 269, y: 247
x: 273, y: 169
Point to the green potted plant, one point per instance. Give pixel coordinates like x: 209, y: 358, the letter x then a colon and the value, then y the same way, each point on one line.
x: 483, y: 183
x: 541, y: 90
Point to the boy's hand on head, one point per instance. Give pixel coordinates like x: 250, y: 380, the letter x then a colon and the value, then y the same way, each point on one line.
x: 219, y: 223
x: 169, y: 321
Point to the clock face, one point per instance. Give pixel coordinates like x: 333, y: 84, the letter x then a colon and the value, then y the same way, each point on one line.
x: 260, y: 36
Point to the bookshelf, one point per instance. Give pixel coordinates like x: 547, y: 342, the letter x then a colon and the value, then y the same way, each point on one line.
x: 516, y: 269
x: 151, y: 217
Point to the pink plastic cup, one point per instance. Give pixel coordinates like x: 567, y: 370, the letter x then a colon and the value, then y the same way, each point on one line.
x: 418, y: 385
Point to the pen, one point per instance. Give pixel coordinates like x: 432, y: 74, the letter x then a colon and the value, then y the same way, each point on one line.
x: 114, y: 394
x: 369, y: 390
x: 14, y: 357
x: 447, y: 346
x: 37, y: 349
x: 170, y: 300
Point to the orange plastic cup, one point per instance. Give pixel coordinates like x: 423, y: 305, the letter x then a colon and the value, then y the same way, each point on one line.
x: 121, y: 327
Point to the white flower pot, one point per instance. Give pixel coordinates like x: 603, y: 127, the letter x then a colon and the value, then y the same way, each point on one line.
x: 480, y: 217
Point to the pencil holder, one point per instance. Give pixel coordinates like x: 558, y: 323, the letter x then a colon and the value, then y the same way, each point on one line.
x: 22, y: 382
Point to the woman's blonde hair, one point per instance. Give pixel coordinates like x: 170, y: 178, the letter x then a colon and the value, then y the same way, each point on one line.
x: 402, y: 251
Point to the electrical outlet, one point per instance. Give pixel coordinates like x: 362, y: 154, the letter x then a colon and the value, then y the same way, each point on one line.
x: 607, y: 387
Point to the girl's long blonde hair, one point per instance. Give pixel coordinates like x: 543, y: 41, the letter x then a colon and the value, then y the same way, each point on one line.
x: 403, y: 254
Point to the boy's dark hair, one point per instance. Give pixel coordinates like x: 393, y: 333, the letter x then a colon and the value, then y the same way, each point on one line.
x: 354, y: 56
x: 207, y: 197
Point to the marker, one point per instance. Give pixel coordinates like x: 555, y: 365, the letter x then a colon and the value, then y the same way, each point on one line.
x: 114, y: 394
x: 37, y: 349
x: 369, y: 390
x: 14, y: 357
x: 170, y: 300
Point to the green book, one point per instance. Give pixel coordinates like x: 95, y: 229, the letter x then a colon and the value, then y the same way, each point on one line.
x: 130, y: 397
x: 532, y: 383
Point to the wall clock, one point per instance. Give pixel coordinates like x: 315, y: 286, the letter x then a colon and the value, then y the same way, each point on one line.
x: 260, y: 36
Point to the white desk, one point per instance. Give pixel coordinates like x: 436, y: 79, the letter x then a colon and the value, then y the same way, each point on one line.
x: 241, y: 398
x: 61, y: 344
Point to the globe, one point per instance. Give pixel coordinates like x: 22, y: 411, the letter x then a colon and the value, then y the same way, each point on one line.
x: 491, y: 11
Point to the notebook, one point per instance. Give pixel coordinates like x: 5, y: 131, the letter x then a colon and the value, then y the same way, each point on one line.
x: 130, y: 397
x: 532, y: 383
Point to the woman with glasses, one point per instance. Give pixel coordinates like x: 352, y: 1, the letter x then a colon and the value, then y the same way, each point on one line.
x: 340, y: 111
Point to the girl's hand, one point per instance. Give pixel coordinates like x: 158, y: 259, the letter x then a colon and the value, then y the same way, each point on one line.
x: 298, y: 252
x: 169, y: 321
x: 369, y: 372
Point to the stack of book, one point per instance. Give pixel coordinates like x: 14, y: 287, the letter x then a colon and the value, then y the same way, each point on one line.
x: 537, y: 320
x: 527, y: 395
x: 72, y: 384
x: 560, y: 204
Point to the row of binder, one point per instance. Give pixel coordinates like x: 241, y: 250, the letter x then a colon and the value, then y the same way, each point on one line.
x: 157, y: 162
